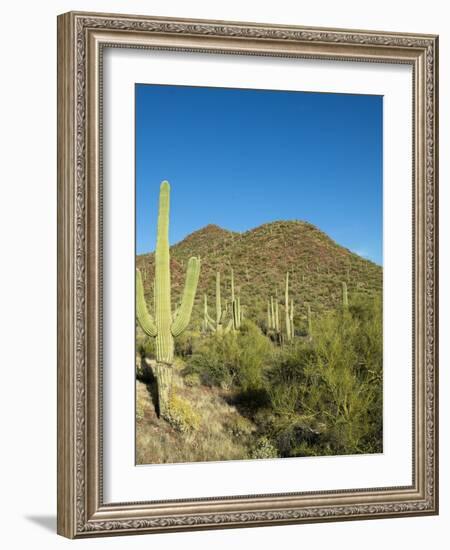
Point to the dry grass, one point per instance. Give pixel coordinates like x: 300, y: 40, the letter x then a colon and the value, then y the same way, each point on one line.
x: 223, y: 434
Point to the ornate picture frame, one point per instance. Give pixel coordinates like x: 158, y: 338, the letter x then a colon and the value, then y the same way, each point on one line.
x: 82, y: 38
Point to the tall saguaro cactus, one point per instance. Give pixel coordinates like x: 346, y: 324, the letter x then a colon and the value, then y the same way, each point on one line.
x: 163, y: 327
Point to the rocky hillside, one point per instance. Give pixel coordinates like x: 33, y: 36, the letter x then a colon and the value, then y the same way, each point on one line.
x: 260, y: 259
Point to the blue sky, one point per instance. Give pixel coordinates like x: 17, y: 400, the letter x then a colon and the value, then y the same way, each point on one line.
x: 240, y: 158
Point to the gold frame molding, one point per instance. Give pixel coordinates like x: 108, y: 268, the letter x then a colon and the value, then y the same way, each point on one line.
x: 81, y: 38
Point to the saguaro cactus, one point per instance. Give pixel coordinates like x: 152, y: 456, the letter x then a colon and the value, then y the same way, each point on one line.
x: 292, y: 318
x: 235, y: 306
x: 277, y: 321
x: 287, y: 312
x: 163, y: 327
x: 344, y: 294
x: 272, y: 309
x: 269, y: 317
x: 216, y: 325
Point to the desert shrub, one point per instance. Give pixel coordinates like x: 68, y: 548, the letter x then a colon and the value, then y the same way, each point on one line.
x: 263, y: 448
x: 192, y: 379
x: 214, y: 360
x: 326, y: 393
x: 233, y: 359
x: 239, y: 426
x: 146, y: 346
x: 184, y: 343
x: 255, y: 354
x: 181, y: 415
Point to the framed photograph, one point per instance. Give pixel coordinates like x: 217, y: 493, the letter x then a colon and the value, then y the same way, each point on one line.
x: 247, y: 274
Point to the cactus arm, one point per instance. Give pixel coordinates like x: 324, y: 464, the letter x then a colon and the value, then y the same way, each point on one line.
x: 144, y: 318
x: 210, y: 319
x: 187, y: 302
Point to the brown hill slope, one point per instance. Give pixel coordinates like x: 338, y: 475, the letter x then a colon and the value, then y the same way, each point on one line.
x: 260, y: 259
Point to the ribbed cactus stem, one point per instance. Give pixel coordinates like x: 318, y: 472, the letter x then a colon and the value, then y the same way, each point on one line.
x: 205, y: 313
x: 286, y: 308
x: 292, y: 318
x: 164, y: 338
x: 269, y: 318
x: 163, y: 375
x: 235, y: 306
x: 277, y: 317
x: 218, y: 301
x: 344, y: 294
x: 232, y: 286
x: 272, y: 311
x: 237, y: 313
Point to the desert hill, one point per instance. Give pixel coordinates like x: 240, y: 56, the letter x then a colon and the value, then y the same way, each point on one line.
x: 260, y: 259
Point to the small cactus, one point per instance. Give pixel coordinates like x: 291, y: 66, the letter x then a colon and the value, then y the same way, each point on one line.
x: 344, y: 294
x: 292, y: 318
x: 287, y: 311
x: 216, y: 325
x: 272, y: 309
x: 309, y: 319
x: 269, y: 317
x: 235, y: 306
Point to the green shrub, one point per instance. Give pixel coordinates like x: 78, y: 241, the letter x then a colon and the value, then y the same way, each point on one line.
x: 234, y: 359
x: 326, y: 393
x: 181, y: 415
x: 239, y: 426
x: 192, y: 379
x: 146, y: 347
x: 184, y: 343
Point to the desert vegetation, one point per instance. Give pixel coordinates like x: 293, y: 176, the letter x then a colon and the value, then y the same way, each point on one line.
x: 271, y: 349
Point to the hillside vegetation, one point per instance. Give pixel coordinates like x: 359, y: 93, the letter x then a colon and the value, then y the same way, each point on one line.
x: 260, y: 259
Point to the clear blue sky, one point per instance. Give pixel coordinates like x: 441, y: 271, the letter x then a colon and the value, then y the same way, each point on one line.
x: 240, y: 158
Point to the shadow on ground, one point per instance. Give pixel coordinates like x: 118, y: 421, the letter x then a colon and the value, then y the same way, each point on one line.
x: 46, y: 522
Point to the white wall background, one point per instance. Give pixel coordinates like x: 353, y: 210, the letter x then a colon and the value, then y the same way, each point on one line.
x: 28, y: 276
